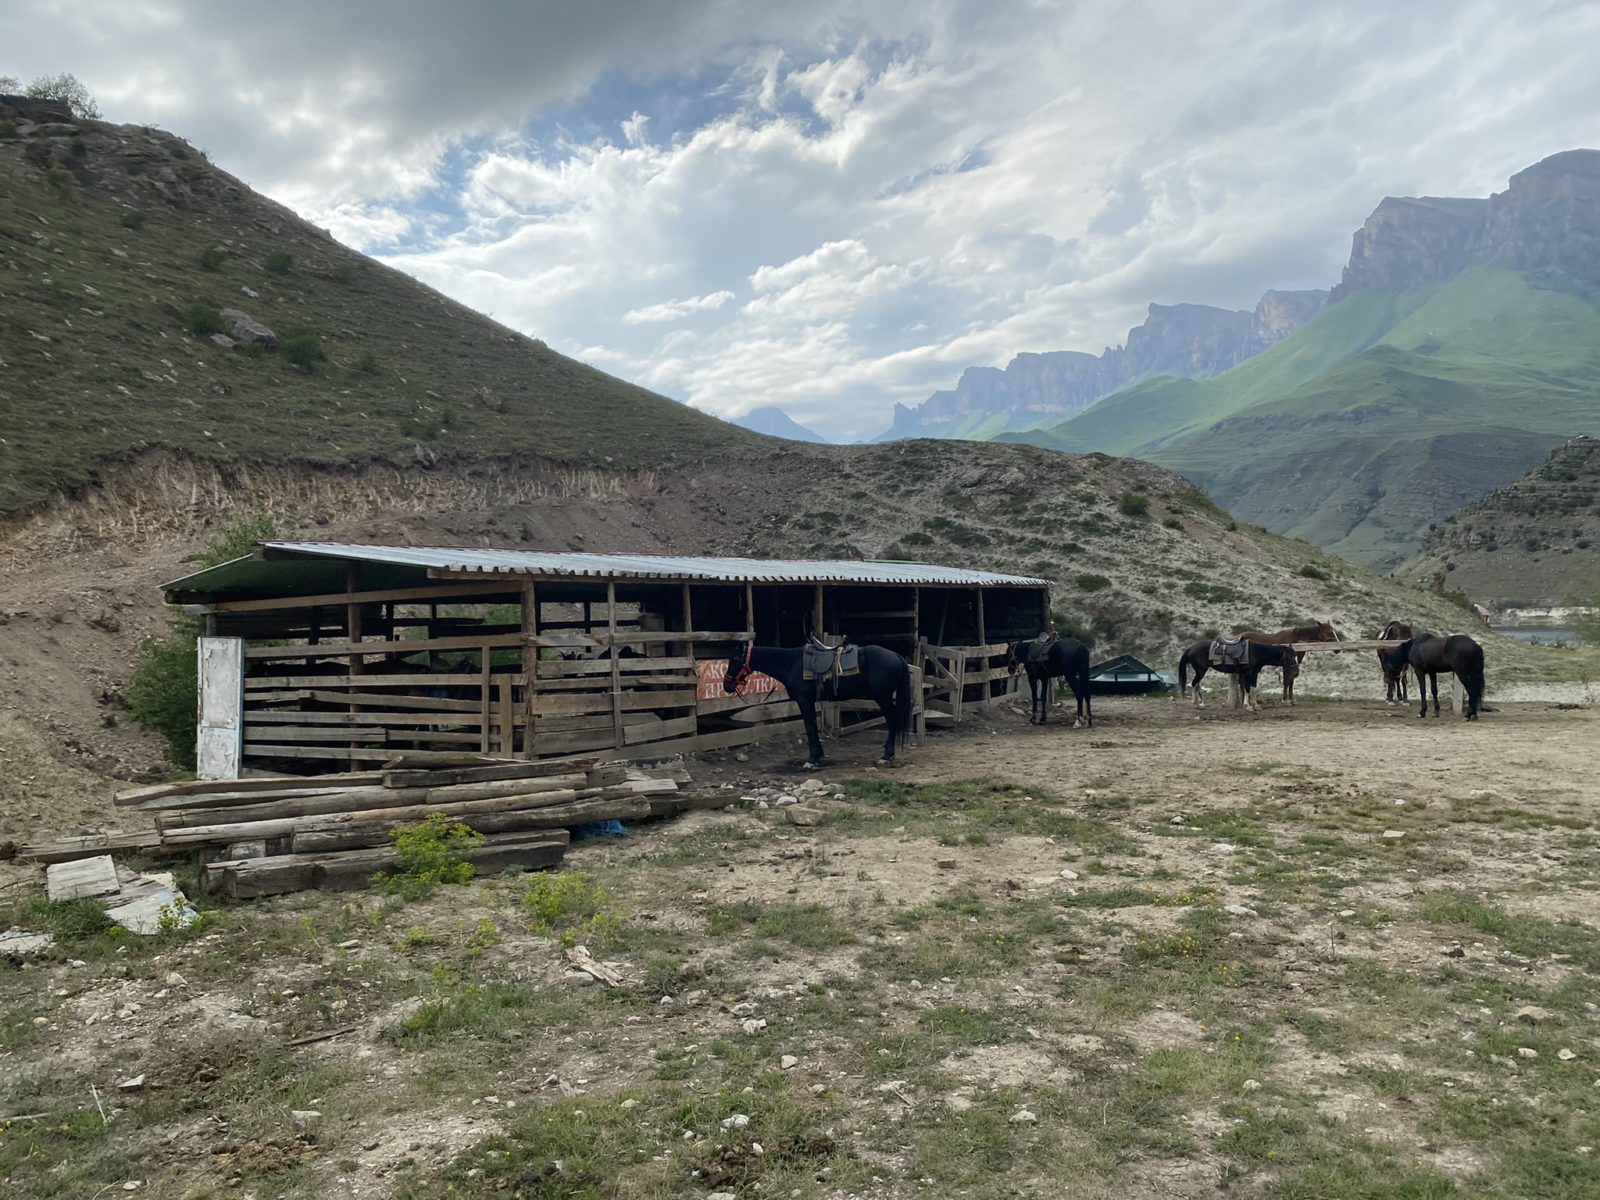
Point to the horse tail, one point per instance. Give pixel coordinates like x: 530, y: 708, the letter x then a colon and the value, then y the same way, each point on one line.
x: 902, y: 708
x: 1472, y: 677
x: 1183, y: 676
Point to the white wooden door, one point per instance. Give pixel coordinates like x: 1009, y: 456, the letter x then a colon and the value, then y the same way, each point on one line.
x: 219, y: 738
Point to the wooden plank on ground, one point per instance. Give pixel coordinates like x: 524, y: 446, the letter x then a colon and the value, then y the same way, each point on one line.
x: 95, y: 876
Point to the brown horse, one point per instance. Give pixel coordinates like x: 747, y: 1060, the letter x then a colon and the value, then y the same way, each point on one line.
x: 1394, y: 681
x: 1322, y: 631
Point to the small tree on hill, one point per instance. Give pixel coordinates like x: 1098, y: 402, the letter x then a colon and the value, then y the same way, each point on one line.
x: 65, y: 87
x: 9, y: 85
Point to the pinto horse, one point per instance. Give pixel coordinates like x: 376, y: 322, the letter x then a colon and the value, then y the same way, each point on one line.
x: 1197, y: 658
x: 1456, y: 655
x: 884, y: 677
x: 1066, y: 658
x: 1322, y: 631
x: 1394, y: 680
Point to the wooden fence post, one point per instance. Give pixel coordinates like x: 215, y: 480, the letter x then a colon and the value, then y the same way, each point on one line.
x: 219, y: 731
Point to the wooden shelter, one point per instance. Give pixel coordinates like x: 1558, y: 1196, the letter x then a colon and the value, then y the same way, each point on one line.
x: 319, y: 656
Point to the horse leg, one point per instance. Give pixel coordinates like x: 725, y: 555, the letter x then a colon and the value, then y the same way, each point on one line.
x: 1046, y: 687
x: 1198, y: 675
x: 1433, y: 682
x: 808, y: 714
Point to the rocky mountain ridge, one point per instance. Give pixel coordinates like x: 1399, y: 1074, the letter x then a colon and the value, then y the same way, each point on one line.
x: 1531, y: 544
x: 1190, y: 340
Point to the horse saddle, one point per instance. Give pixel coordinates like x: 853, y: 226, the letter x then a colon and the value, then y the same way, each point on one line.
x: 1039, y: 648
x: 1230, y: 652
x: 822, y: 661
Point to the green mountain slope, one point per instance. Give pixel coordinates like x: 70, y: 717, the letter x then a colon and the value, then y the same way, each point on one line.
x: 110, y: 235
x: 1162, y: 411
x: 1379, y: 417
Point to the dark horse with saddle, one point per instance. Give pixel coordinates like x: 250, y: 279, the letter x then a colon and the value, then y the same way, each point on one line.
x: 1051, y: 657
x: 1240, y: 657
x: 817, y: 672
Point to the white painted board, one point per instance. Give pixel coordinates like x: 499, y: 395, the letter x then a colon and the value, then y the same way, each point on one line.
x: 219, y: 737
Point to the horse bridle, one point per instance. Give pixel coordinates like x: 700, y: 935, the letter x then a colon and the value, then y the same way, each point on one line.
x: 744, y: 671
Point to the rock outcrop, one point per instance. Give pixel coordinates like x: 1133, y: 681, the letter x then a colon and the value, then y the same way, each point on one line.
x: 1547, y: 219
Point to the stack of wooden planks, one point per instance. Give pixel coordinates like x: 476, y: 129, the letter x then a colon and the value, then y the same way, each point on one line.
x: 260, y: 836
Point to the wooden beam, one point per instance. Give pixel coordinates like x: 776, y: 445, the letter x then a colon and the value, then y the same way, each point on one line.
x: 348, y: 649
x: 329, y: 599
x: 530, y: 664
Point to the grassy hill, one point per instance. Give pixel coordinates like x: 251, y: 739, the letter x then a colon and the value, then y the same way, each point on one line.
x: 1381, y: 416
x: 1531, y: 544
x: 112, y: 238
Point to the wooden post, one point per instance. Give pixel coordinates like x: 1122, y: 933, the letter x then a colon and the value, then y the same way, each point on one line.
x: 983, y: 640
x: 352, y: 629
x: 485, y: 705
x: 816, y: 613
x: 750, y: 611
x: 616, y: 665
x: 530, y: 662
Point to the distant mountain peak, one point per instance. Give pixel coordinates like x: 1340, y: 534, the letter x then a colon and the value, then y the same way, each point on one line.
x: 774, y: 422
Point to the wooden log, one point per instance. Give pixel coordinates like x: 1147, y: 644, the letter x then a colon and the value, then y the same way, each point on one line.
x: 288, y: 826
x: 355, y: 799
x: 460, y: 775
x: 352, y: 869
x: 88, y: 845
x: 255, y: 783
x: 556, y: 816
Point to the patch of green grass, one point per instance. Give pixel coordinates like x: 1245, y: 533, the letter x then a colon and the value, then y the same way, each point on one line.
x: 802, y: 926
x: 1529, y: 936
x: 571, y: 906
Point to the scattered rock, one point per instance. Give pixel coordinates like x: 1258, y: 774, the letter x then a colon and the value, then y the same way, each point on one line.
x: 752, y: 1025
x: 1238, y: 910
x: 1455, y: 952
x: 1527, y: 1052
x: 788, y: 1062
x: 1393, y: 834
x: 1532, y: 1012
x: 800, y: 815
x: 737, y: 1121
x: 136, y: 1084
x: 305, y: 1119
x: 1252, y: 1085
x: 947, y: 864
x: 1565, y: 1055
x: 1069, y: 875
x: 245, y: 328
x: 1023, y: 1117
x: 222, y: 341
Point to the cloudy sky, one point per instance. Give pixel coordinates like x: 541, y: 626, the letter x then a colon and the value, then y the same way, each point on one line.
x: 837, y: 206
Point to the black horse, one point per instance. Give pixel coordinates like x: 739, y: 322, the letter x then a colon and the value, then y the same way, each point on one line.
x: 884, y: 677
x: 1394, y: 674
x: 1067, y: 658
x: 1456, y: 655
x: 1197, y: 658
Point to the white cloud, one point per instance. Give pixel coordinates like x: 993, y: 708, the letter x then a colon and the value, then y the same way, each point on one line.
x: 835, y: 207
x: 675, y: 310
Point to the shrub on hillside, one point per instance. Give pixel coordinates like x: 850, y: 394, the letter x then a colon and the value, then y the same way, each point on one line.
x: 429, y: 853
x: 302, y: 347
x: 280, y: 262
x: 1172, y: 523
x: 1090, y: 582
x: 367, y: 364
x: 133, y: 219
x: 1133, y: 504
x: 212, y: 258
x: 1311, y: 571
x: 162, y: 690
x: 204, y: 319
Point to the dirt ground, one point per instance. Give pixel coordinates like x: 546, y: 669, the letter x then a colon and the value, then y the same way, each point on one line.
x: 1329, y: 952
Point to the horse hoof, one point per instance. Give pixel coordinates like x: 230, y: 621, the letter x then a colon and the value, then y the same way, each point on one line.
x: 811, y: 766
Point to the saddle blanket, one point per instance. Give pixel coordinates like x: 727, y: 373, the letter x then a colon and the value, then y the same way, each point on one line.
x: 1230, y: 652
x: 1039, y: 648
x: 825, y: 662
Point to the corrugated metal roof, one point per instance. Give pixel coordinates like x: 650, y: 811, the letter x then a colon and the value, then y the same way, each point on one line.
x: 632, y: 566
